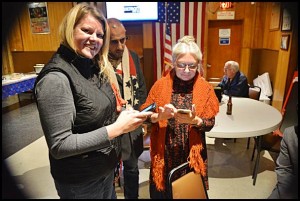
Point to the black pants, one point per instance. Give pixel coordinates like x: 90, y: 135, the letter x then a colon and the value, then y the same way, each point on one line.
x: 131, y: 177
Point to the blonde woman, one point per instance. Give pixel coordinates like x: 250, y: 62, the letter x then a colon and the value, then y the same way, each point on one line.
x: 79, y: 108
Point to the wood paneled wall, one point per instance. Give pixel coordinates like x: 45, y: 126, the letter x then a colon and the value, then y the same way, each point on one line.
x: 24, y: 61
x: 260, y: 51
x: 44, y: 42
x: 7, y: 61
x: 262, y: 61
x: 134, y: 31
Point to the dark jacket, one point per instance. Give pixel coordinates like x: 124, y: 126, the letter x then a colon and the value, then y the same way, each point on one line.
x: 287, y: 166
x: 237, y: 87
x: 90, y: 115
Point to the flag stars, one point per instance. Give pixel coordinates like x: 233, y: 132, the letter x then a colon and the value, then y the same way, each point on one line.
x: 128, y: 84
x: 173, y: 12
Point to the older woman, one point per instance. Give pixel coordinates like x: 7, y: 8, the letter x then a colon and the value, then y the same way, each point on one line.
x: 179, y: 137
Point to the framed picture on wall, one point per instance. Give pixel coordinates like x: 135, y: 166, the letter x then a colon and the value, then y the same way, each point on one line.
x: 286, y: 21
x: 275, y: 16
x: 285, y: 39
x: 39, y: 20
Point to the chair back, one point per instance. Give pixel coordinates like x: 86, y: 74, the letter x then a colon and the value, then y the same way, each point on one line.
x: 214, y: 81
x: 271, y: 142
x: 254, y: 92
x: 188, y: 186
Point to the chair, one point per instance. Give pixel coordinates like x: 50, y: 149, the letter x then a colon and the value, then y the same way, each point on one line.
x: 269, y: 142
x: 254, y: 92
x: 214, y: 81
x: 214, y: 84
x: 188, y: 186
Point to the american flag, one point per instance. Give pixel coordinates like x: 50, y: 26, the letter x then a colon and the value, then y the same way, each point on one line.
x: 183, y: 18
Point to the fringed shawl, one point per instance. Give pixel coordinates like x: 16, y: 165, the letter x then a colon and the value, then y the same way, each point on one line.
x: 207, y: 106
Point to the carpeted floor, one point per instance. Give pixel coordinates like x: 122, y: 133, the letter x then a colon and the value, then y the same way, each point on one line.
x: 20, y: 124
x: 229, y: 164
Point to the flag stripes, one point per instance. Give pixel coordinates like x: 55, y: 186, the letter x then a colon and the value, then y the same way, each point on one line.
x: 191, y: 17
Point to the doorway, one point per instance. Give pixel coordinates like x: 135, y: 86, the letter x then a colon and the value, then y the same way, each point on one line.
x: 218, y: 54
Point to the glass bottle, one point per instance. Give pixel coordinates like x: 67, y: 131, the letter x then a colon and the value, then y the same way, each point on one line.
x: 229, y: 106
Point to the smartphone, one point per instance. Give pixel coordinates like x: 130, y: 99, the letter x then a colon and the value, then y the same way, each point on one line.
x: 150, y: 108
x: 183, y: 111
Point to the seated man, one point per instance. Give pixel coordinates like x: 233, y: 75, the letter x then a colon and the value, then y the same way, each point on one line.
x: 234, y: 82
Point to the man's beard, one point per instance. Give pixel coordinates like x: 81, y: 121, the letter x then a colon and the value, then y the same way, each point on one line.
x: 115, y: 56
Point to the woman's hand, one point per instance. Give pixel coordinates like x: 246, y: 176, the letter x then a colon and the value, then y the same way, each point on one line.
x: 188, y: 118
x: 127, y: 121
x: 164, y: 113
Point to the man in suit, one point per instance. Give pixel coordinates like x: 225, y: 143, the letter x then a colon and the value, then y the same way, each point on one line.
x: 130, y: 81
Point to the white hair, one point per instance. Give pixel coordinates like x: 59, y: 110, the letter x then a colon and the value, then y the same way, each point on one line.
x: 186, y: 45
x: 233, y: 65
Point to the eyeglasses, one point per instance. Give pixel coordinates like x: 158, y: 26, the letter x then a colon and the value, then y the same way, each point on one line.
x: 116, y: 42
x: 184, y: 65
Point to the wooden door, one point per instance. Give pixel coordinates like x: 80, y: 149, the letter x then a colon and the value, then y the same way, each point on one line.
x: 218, y: 54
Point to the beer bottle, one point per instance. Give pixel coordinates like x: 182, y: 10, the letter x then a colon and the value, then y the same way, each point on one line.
x: 229, y: 106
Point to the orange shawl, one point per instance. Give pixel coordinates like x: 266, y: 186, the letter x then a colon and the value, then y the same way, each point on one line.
x: 207, y: 106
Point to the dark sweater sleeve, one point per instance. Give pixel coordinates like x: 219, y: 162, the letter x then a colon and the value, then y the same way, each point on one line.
x: 57, y: 114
